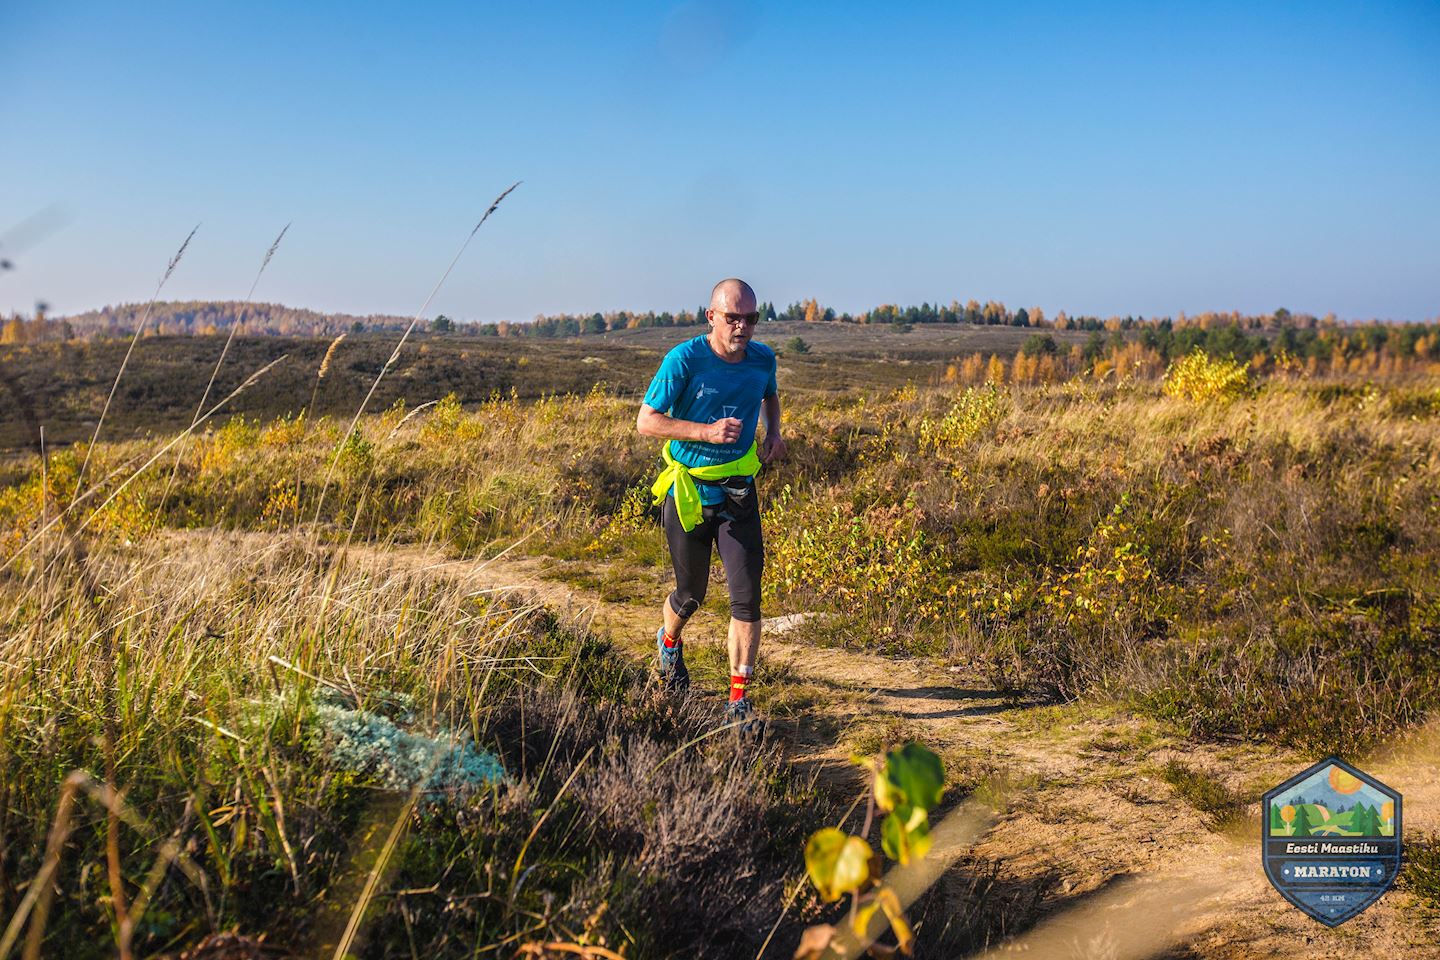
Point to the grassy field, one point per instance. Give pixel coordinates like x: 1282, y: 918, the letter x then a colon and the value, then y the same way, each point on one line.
x: 310, y: 746
x: 67, y: 383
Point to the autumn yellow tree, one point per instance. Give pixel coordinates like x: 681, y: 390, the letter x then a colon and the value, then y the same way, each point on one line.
x: 1049, y: 371
x: 995, y: 370
x: 1022, y: 370
x: 972, y: 370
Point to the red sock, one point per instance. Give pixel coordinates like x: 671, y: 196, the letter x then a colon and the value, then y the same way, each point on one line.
x: 671, y: 642
x: 737, y: 685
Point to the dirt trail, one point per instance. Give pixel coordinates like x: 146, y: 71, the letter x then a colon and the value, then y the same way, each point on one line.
x: 1086, y: 828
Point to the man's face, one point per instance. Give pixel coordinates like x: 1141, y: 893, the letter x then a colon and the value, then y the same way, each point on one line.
x: 733, y: 317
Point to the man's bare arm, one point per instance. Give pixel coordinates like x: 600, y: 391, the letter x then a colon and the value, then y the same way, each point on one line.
x: 653, y: 423
x: 771, y: 407
x: 774, y: 446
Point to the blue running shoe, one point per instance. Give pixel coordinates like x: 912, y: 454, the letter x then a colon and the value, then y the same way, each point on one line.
x: 749, y: 726
x: 670, y: 666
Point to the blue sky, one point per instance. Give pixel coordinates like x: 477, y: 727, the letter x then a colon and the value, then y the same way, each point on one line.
x: 1097, y: 158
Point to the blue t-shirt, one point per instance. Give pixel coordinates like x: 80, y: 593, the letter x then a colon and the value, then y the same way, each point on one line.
x: 695, y: 384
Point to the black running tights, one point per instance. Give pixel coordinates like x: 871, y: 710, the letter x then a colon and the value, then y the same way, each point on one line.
x: 742, y: 551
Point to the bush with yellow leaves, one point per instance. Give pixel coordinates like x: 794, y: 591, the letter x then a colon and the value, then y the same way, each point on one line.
x: 973, y: 412
x: 1199, y: 377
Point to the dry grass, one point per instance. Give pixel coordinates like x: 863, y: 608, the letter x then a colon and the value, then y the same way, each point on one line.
x: 219, y: 746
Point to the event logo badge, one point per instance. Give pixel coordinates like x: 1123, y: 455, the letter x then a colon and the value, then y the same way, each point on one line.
x: 1332, y: 840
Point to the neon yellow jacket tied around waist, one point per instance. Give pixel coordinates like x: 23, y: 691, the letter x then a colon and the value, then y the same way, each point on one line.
x: 687, y: 497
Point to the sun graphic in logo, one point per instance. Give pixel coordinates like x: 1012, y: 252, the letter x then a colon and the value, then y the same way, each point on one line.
x: 1342, y: 782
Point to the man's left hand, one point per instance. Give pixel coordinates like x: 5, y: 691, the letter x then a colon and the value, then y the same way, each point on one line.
x: 772, y: 449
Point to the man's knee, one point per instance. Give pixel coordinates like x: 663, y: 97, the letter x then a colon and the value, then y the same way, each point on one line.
x: 746, y: 609
x: 685, y: 602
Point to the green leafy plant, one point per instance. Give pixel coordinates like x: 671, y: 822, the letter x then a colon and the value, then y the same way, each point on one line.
x: 906, y: 786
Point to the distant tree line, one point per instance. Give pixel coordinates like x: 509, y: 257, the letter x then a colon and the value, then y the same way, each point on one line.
x: 208, y: 317
x: 1230, y: 334
x: 1371, y: 349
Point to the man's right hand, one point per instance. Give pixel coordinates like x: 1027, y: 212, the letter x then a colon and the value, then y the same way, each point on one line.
x: 723, y: 431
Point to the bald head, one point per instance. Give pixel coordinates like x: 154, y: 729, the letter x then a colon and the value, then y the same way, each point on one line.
x: 733, y: 296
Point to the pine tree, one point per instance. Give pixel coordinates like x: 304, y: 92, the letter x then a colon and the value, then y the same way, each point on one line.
x: 1302, y: 820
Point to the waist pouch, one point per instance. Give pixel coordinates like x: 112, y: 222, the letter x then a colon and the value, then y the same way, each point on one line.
x: 742, y: 502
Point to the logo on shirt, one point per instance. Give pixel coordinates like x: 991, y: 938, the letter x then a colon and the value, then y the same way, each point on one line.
x: 704, y: 392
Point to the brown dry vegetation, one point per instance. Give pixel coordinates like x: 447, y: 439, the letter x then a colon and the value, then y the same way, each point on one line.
x: 68, y: 381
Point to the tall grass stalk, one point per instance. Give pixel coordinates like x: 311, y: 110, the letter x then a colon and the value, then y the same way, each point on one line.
x: 220, y: 361
x: 320, y: 374
x: 395, y: 354
x: 235, y: 327
x: 372, y: 880
x: 135, y: 338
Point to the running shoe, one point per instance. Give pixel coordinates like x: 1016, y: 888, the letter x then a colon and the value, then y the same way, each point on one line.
x: 749, y: 725
x: 670, y: 665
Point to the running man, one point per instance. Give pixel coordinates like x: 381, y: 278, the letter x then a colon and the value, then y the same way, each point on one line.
x: 705, y: 402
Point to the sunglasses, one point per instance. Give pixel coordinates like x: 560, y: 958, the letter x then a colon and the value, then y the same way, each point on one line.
x: 736, y: 319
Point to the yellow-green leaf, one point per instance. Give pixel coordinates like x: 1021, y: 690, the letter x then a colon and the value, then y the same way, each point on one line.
x: 864, y: 923
x: 863, y: 914
x: 887, y: 796
x: 837, y: 862
x: 905, y: 834
x: 890, y: 903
